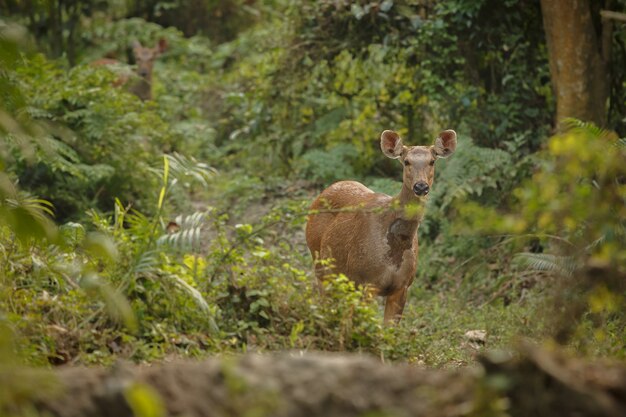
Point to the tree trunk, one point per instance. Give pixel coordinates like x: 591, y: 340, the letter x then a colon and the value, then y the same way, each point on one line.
x: 577, y: 63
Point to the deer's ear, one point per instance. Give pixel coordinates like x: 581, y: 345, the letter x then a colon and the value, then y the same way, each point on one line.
x: 391, y: 144
x: 445, y: 144
x: 162, y: 45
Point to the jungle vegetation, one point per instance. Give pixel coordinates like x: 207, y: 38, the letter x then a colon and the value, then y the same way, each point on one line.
x: 145, y: 229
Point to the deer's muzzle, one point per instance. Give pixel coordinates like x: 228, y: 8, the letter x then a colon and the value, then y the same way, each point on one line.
x: 421, y: 188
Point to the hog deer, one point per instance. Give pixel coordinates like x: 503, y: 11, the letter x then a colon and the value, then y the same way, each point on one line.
x: 372, y: 237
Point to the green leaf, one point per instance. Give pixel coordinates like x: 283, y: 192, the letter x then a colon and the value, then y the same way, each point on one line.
x: 357, y: 11
x: 100, y: 245
x: 198, y: 298
x: 386, y: 5
x: 166, y: 169
x: 161, y: 198
x: 117, y: 305
x: 144, y: 401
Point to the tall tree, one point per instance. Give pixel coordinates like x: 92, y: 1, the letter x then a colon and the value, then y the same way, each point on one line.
x: 579, y: 56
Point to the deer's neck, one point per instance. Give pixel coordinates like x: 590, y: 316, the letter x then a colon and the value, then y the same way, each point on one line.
x: 142, y: 88
x: 409, y: 209
x: 402, y: 231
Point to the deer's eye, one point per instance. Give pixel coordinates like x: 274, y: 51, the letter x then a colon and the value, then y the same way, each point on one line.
x: 406, y: 163
x: 431, y: 163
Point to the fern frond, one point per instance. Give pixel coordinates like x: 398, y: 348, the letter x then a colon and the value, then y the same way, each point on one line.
x: 565, y: 265
x: 36, y: 207
x: 182, y: 239
x: 594, y: 131
x: 187, y: 169
x: 118, y: 306
x: 473, y: 171
x: 59, y: 155
x: 196, y: 297
x: 147, y: 263
x: 190, y: 290
x: 27, y: 216
x: 189, y: 233
x: 138, y: 223
x: 588, y: 127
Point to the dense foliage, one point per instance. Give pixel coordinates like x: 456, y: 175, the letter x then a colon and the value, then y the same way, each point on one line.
x: 174, y: 226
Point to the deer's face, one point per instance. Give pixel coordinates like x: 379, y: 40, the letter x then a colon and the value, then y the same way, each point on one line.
x: 145, y: 57
x: 418, y: 161
x: 419, y: 169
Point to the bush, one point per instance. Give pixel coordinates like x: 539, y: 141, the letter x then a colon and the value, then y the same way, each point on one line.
x: 111, y: 131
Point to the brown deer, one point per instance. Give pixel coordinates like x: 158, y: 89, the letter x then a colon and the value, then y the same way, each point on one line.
x: 372, y: 237
x: 144, y: 59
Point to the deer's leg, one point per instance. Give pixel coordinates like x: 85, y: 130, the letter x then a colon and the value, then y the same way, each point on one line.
x: 394, y: 305
x: 322, y: 268
x: 318, y: 271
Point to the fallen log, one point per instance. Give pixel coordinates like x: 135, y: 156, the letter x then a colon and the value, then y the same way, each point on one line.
x: 535, y: 383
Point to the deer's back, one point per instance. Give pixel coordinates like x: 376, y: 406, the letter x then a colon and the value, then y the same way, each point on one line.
x: 351, y: 228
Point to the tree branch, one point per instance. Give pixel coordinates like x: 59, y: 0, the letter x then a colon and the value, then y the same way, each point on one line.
x: 608, y: 14
x: 607, y: 37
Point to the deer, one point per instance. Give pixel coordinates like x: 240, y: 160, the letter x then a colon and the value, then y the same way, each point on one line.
x: 144, y: 59
x: 372, y: 237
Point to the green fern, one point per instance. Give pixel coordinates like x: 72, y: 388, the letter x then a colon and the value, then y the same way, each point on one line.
x: 116, y: 304
x: 40, y: 209
x: 588, y: 127
x: 330, y: 165
x: 27, y: 216
x: 138, y: 224
x: 186, y: 169
x: 564, y: 265
x: 593, y: 130
x: 147, y: 263
x: 189, y: 233
x: 196, y: 296
x: 472, y: 171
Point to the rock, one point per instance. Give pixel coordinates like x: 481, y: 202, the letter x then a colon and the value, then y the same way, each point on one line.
x: 476, y: 336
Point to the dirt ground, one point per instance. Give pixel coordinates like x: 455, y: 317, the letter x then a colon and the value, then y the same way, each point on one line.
x: 535, y: 383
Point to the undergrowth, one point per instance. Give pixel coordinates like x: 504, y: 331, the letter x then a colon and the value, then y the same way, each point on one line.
x: 108, y: 249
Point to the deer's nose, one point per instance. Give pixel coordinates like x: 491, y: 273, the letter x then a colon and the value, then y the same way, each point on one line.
x: 421, y: 188
x: 143, y: 72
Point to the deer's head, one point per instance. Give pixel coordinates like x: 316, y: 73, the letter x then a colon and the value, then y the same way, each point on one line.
x: 418, y: 161
x: 145, y: 57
